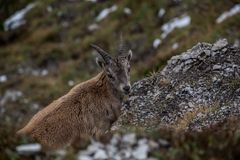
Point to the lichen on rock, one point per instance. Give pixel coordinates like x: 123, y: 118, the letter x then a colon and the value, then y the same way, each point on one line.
x: 195, y: 90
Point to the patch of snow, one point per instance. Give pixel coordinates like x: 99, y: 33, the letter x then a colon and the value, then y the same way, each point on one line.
x: 175, y: 46
x: 156, y: 43
x: 127, y: 11
x: 28, y: 148
x: 161, y: 12
x: 178, y: 22
x: 104, y: 13
x: 17, y: 19
x: 234, y: 10
x: 93, y: 27
x: 3, y: 78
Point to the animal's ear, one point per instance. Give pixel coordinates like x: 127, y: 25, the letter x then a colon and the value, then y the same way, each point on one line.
x: 129, y: 56
x: 100, y: 62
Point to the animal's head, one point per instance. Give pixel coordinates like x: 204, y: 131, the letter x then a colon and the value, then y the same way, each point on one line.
x: 117, y: 69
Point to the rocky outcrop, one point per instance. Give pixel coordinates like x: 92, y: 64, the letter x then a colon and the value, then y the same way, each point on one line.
x: 195, y: 90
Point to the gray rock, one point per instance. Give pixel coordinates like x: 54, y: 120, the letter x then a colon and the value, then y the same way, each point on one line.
x: 100, y: 154
x: 28, y: 149
x: 141, y: 152
x: 84, y: 157
x: 129, y: 138
x: 201, y: 80
x: 219, y: 44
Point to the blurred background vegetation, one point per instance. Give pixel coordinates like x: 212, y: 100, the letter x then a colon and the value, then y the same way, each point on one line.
x: 42, y: 59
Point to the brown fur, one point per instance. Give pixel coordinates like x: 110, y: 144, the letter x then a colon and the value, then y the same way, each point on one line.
x: 89, y: 108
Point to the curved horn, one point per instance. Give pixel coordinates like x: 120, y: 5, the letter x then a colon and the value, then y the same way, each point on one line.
x: 123, y: 47
x: 103, y: 53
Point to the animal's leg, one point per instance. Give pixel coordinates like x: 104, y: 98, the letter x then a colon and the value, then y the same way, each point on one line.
x: 54, y: 136
x: 80, y: 142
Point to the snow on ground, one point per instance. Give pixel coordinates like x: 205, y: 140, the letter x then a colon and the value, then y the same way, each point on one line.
x: 104, y: 13
x: 28, y: 148
x: 233, y: 11
x: 161, y: 12
x: 3, y: 78
x: 178, y: 22
x: 17, y: 19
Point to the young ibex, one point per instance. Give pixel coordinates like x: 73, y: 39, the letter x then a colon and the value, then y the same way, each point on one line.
x: 89, y: 108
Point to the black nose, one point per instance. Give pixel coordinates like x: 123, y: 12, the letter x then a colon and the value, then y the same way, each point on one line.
x: 126, y: 89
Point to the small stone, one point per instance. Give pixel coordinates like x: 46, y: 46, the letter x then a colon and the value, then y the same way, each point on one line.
x: 94, y: 147
x: 100, y: 154
x: 152, y: 144
x: 190, y: 104
x: 84, y: 157
x: 70, y: 83
x: 216, y: 67
x: 163, y: 143
x: 219, y: 44
x: 124, y: 153
x: 28, y: 149
x: 129, y: 138
x: 93, y: 27
x: 111, y: 150
x: 115, y: 139
x: 141, y: 152
x: 3, y: 78
x: 169, y: 96
x: 224, y: 49
x: 127, y: 11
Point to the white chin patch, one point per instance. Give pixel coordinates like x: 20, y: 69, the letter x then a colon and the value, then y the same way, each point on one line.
x: 121, y: 87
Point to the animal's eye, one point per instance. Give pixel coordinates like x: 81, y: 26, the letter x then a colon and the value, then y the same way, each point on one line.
x: 111, y: 77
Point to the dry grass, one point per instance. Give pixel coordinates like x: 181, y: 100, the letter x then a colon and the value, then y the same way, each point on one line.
x: 183, y: 122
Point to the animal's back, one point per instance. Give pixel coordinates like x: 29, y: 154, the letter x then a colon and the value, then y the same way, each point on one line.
x: 60, y: 122
x: 84, y: 110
